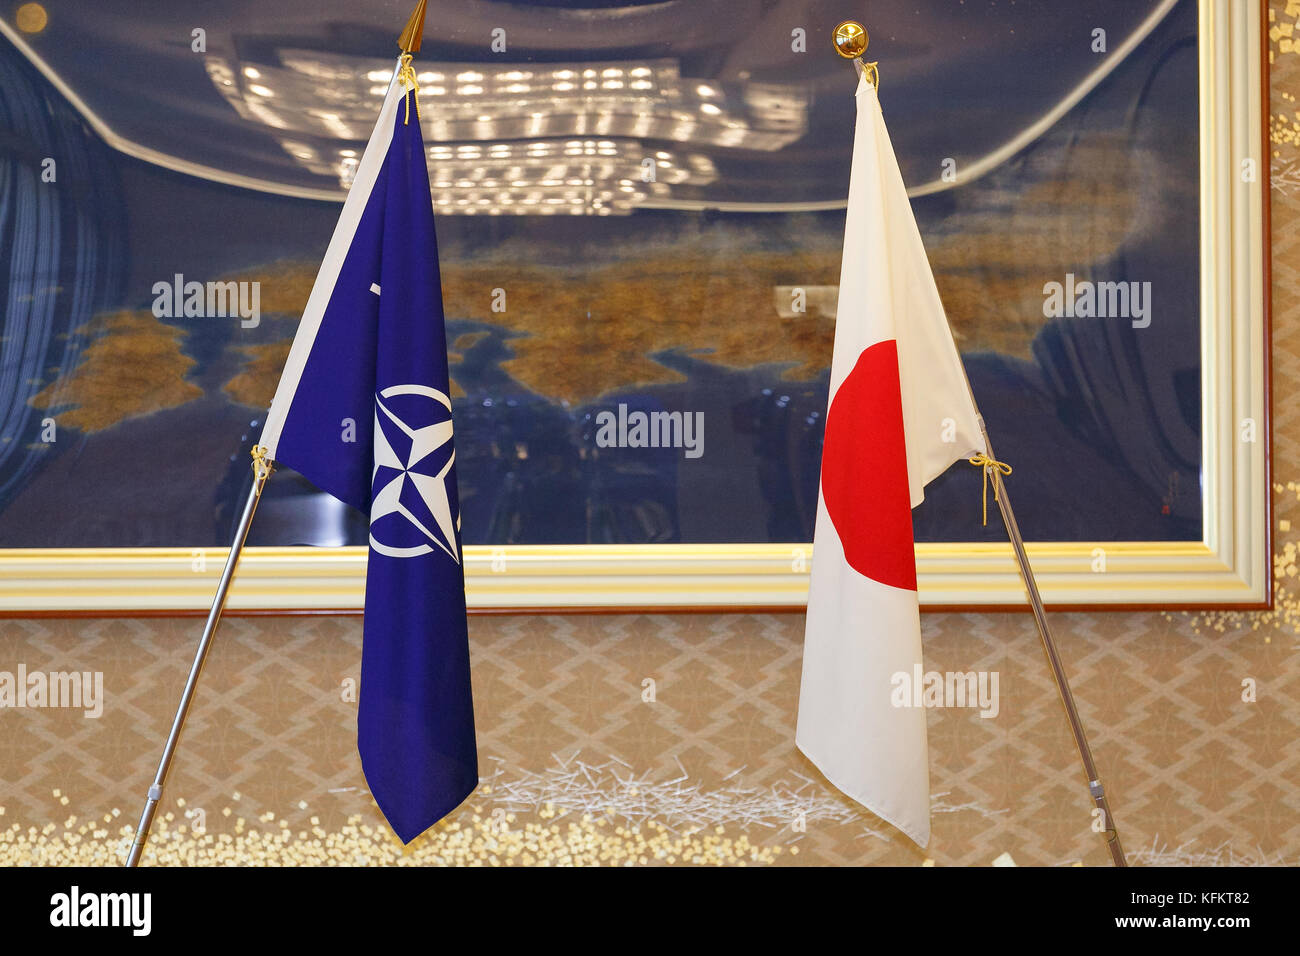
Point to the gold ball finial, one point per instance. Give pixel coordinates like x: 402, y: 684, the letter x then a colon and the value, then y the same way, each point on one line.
x: 851, y: 39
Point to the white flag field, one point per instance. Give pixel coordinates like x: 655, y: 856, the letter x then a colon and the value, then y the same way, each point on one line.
x: 900, y: 412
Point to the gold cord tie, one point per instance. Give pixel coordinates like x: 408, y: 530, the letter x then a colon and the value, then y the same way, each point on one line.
x: 262, y: 466
x: 873, y: 75
x: 870, y: 70
x: 989, y: 465
x: 406, y: 76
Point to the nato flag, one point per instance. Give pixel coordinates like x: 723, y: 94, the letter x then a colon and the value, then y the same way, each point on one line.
x: 363, y: 410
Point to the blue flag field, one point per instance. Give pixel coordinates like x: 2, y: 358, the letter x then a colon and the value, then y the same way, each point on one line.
x: 363, y: 411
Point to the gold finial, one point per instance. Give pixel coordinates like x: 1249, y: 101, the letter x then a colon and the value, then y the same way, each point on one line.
x: 851, y: 39
x: 413, y: 35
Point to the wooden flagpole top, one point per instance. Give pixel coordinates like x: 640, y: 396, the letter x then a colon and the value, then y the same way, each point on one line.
x: 413, y: 35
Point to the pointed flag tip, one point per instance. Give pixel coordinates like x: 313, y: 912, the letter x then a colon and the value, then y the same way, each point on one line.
x: 413, y: 35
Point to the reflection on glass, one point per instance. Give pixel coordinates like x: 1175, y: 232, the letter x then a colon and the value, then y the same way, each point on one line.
x: 551, y: 138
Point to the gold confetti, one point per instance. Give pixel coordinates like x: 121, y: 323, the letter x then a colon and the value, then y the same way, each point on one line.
x: 578, y: 842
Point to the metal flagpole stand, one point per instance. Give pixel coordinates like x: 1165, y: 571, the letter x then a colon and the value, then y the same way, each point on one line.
x: 850, y: 39
x: 262, y: 469
x: 410, y: 42
x: 994, y: 469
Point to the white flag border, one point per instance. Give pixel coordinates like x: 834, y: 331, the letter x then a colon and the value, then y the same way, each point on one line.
x: 372, y: 160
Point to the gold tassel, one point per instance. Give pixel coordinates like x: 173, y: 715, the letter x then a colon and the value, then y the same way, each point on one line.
x: 989, y: 465
x: 406, y: 76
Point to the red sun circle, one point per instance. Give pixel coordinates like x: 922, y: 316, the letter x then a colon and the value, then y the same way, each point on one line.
x: 864, y: 470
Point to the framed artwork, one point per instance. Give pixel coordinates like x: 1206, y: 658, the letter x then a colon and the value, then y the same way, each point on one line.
x: 640, y: 219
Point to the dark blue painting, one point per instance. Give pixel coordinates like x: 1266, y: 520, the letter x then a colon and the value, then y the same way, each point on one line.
x: 640, y: 212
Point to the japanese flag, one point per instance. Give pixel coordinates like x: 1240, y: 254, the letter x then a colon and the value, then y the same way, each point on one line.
x: 899, y: 414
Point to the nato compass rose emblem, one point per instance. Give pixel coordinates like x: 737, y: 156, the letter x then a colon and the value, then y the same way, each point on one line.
x: 410, y: 495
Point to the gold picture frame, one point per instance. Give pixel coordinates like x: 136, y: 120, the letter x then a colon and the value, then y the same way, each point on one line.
x: 1229, y: 567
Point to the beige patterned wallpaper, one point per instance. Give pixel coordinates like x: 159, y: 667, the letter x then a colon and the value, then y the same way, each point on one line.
x: 579, y: 767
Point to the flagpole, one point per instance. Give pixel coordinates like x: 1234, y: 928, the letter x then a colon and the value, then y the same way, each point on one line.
x: 262, y: 469
x: 1095, y: 789
x: 851, y: 40
x: 409, y: 42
